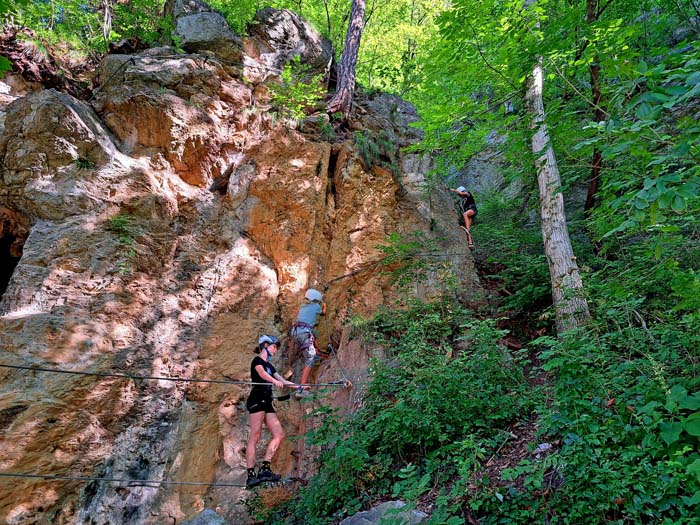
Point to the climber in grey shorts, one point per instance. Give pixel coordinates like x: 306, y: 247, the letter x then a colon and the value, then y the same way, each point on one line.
x: 302, y: 332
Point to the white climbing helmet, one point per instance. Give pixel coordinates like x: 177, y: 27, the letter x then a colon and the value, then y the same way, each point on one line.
x: 462, y: 189
x: 313, y: 295
x: 269, y: 339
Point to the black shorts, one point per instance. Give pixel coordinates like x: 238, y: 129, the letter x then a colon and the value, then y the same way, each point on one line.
x: 259, y: 402
x: 470, y: 207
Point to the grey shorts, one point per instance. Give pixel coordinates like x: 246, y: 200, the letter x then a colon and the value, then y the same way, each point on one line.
x: 307, y: 343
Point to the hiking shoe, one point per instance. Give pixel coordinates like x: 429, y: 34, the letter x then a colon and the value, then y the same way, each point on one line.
x: 326, y: 353
x: 266, y: 474
x: 252, y: 480
x: 302, y: 394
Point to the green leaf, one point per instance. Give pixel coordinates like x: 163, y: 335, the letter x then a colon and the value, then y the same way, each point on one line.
x: 690, y: 402
x: 682, y: 149
x: 666, y: 199
x: 642, y: 67
x: 670, y: 432
x: 693, y: 500
x: 5, y: 65
x: 688, y: 190
x: 640, y: 204
x: 650, y: 407
x: 694, y: 468
x: 679, y: 204
x: 644, y: 111
x: 692, y: 425
x: 677, y: 393
x: 693, y: 79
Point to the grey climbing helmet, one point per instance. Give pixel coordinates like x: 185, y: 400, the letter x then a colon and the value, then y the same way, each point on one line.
x: 313, y: 295
x: 269, y: 339
x: 462, y: 189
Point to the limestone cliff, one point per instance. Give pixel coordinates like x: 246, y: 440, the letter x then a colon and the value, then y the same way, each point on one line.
x: 130, y: 263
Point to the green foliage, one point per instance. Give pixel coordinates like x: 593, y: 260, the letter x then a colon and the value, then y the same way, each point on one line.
x: 77, y: 26
x: 659, y: 181
x: 143, y: 19
x: 85, y: 164
x: 298, y: 92
x: 368, y: 148
x: 5, y: 65
x: 434, y: 408
x: 238, y: 14
x: 394, y: 42
x: 376, y: 149
x: 513, y: 255
x: 627, y: 431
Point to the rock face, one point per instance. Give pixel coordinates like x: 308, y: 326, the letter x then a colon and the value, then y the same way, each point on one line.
x: 199, y: 28
x: 130, y: 264
x: 276, y: 37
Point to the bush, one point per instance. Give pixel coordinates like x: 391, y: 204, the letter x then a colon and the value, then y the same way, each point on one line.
x: 432, y: 410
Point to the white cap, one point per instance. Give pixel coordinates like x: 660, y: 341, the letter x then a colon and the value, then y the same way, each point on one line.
x: 462, y: 189
x: 313, y: 295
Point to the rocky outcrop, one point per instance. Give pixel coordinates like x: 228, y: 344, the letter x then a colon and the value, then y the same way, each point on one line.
x: 278, y: 36
x: 388, y: 510
x: 198, y: 28
x: 131, y: 264
x: 183, y: 111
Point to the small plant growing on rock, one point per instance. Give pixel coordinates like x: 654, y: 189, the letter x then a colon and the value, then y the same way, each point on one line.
x: 84, y: 164
x: 375, y: 149
x: 368, y: 148
x: 411, y: 259
x: 297, y: 92
x: 327, y: 131
x: 123, y: 225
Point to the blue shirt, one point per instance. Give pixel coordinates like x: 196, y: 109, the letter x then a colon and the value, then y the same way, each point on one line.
x: 308, y: 313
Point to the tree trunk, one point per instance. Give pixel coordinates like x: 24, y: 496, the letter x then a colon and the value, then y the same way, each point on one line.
x: 342, y: 100
x: 570, y: 306
x: 592, y: 15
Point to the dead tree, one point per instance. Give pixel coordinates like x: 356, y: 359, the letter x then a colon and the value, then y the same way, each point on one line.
x: 570, y: 306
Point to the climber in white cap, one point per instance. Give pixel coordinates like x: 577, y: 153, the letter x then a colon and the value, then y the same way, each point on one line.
x: 469, y: 211
x: 302, y: 332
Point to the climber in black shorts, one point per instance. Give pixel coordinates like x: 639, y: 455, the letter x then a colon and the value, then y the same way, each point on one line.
x: 259, y: 405
x: 469, y: 211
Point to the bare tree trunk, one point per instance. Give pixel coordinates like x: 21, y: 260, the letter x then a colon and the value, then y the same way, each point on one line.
x: 570, y: 306
x: 107, y: 19
x: 592, y: 15
x: 342, y: 100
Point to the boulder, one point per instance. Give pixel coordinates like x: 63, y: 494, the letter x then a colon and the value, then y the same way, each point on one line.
x: 49, y: 129
x: 276, y: 37
x: 199, y: 28
x: 388, y: 510
x: 130, y: 264
x: 185, y: 109
x: 206, y: 517
x: 50, y: 149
